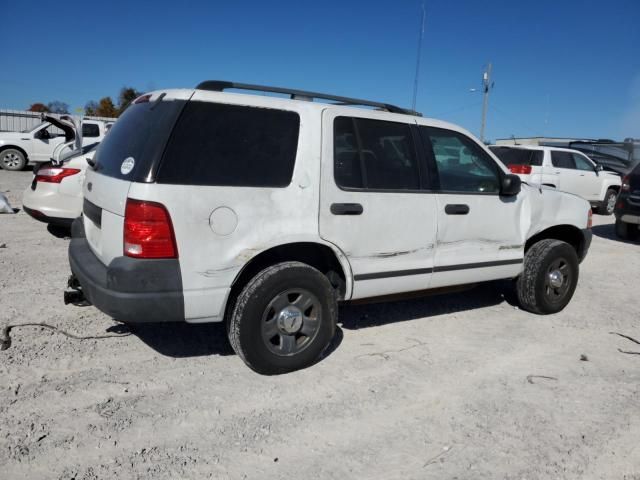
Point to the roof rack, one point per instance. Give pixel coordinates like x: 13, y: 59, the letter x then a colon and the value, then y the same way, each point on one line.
x: 221, y: 85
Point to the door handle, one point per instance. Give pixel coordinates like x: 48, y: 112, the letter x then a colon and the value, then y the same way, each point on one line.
x: 346, y: 209
x: 456, y: 209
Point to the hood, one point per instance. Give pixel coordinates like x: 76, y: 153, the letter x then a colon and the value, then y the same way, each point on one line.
x: 4, y: 136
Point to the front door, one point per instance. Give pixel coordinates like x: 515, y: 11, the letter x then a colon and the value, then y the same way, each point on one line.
x: 44, y: 141
x: 374, y: 201
x: 480, y: 235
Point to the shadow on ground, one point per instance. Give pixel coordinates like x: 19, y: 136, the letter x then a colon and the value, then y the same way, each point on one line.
x: 608, y: 232
x: 59, y: 231
x: 182, y: 340
x: 354, y: 317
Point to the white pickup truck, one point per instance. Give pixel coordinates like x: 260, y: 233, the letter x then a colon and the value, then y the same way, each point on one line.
x: 17, y: 149
x: 567, y: 170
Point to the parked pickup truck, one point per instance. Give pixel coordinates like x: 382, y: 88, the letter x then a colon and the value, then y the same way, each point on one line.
x: 17, y: 149
x: 565, y: 169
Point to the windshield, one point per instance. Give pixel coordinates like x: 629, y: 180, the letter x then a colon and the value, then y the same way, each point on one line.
x: 32, y: 129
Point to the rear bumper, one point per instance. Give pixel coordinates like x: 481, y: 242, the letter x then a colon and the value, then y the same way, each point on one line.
x: 42, y: 217
x: 129, y: 290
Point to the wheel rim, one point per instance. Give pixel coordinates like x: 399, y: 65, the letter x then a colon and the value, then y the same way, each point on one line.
x: 557, y: 280
x: 291, y: 321
x: 11, y: 159
x: 611, y: 203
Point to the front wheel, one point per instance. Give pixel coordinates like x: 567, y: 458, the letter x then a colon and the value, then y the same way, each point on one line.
x: 284, y: 318
x: 12, y: 159
x: 549, y: 278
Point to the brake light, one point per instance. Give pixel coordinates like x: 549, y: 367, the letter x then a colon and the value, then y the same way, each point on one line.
x: 51, y: 174
x: 626, y: 186
x: 148, y: 232
x: 520, y: 169
x: 590, y: 219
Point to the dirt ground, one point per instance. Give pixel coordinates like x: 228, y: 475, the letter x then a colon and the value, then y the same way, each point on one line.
x: 436, y: 387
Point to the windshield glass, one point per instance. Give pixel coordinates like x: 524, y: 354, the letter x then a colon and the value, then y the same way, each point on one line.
x: 29, y: 130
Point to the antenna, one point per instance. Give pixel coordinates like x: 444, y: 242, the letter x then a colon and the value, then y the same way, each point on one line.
x: 415, y: 81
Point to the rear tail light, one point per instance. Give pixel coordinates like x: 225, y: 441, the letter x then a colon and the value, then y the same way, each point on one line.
x: 590, y: 219
x: 625, y: 187
x: 148, y: 232
x: 51, y: 174
x: 520, y: 169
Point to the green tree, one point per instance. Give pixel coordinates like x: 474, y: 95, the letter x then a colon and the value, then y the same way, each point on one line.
x: 90, y: 108
x: 127, y: 95
x: 106, y: 108
x: 58, y: 107
x: 38, y: 107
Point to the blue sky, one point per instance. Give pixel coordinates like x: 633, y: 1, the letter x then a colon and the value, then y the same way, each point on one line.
x: 560, y: 67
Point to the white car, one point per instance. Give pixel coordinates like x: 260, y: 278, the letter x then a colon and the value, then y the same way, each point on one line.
x: 565, y: 169
x: 265, y: 212
x: 55, y: 194
x: 17, y: 149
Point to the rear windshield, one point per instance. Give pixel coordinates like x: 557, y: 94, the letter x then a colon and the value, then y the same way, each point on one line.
x: 231, y: 145
x: 136, y: 141
x: 518, y: 156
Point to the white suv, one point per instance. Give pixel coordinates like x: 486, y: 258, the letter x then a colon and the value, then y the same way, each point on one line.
x: 265, y: 212
x: 568, y: 170
x: 17, y: 149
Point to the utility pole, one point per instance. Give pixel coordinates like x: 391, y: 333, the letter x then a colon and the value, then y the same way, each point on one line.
x: 415, y: 81
x: 486, y: 86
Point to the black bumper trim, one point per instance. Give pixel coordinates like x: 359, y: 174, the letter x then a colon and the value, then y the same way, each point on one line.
x: 587, y: 236
x: 130, y: 290
x: 41, y: 217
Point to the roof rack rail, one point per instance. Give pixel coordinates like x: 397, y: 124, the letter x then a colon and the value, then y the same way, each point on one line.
x: 221, y: 85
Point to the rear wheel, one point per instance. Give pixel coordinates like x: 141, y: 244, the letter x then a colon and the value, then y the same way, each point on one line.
x: 283, y: 319
x: 626, y: 231
x: 12, y: 159
x: 609, y: 203
x: 549, y: 278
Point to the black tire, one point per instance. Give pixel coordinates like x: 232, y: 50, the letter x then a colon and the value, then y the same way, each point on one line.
x: 609, y: 204
x: 252, y: 312
x: 12, y: 159
x: 536, y: 292
x: 626, y: 231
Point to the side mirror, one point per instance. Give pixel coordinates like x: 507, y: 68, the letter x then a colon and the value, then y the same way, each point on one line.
x: 511, y: 185
x: 43, y: 134
x: 599, y: 167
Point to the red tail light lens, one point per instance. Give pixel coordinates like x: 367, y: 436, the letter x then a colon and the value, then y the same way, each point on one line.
x: 520, y: 169
x: 590, y: 219
x: 51, y: 174
x: 625, y: 184
x: 148, y: 232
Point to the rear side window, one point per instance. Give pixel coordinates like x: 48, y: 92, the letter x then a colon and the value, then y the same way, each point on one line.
x: 138, y: 137
x: 562, y: 159
x: 518, y: 156
x: 374, y: 154
x: 90, y: 130
x: 231, y: 145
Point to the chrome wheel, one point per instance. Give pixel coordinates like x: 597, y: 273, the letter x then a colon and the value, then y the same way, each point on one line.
x: 611, y: 204
x: 291, y: 321
x: 12, y: 160
x: 557, y: 280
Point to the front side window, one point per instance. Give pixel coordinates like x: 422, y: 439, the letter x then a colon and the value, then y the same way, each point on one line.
x: 462, y: 165
x: 231, y: 145
x: 562, y: 159
x: 90, y: 130
x: 374, y: 154
x: 582, y: 163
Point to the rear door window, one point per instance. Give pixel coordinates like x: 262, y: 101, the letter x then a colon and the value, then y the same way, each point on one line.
x: 562, y: 159
x: 138, y: 137
x: 231, y: 145
x: 374, y: 155
x: 90, y: 130
x: 518, y: 156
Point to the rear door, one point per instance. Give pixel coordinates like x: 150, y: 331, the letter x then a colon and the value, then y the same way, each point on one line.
x: 375, y: 202
x: 480, y: 233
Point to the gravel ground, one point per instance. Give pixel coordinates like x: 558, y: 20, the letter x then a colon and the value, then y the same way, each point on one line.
x: 435, y: 387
